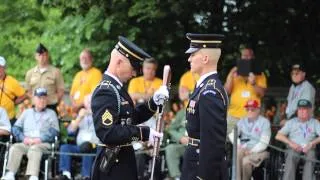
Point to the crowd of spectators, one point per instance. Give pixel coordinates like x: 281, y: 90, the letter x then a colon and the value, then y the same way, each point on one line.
x: 41, y: 109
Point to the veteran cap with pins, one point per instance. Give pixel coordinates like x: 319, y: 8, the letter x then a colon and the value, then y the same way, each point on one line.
x: 198, y: 41
x: 130, y: 50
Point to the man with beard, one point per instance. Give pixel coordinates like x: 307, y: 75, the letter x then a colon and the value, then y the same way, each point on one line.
x: 85, y: 80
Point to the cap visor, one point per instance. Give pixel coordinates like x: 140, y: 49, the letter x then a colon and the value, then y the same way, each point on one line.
x: 191, y: 50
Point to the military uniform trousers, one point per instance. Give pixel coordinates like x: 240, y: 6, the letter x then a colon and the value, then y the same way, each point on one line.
x: 124, y: 169
x: 191, y: 165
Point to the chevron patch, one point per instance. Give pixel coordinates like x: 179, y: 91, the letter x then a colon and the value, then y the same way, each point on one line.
x: 107, y: 118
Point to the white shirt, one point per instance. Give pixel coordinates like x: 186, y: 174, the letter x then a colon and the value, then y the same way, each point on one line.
x: 203, y: 77
x: 114, y: 77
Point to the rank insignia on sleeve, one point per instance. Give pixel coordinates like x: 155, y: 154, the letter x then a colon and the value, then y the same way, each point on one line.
x: 107, y: 118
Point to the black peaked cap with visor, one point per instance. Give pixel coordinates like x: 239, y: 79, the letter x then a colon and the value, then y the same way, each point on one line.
x: 135, y: 54
x: 199, y: 41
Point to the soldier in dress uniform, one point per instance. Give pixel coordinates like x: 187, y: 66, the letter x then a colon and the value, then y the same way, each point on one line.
x: 206, y: 112
x: 115, y: 116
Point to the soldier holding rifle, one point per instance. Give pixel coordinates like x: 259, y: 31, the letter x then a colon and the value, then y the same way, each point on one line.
x: 206, y: 113
x: 115, y: 116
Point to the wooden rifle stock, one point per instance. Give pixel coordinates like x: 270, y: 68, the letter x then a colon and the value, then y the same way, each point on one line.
x: 159, y: 117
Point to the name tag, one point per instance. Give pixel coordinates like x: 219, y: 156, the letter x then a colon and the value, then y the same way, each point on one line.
x: 76, y: 95
x: 245, y: 94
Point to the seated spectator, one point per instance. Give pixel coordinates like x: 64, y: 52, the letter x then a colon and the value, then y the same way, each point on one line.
x: 5, y: 129
x: 300, y: 135
x: 86, y: 142
x: 178, y: 137
x: 11, y: 93
x: 300, y: 89
x: 254, y: 135
x: 34, y: 130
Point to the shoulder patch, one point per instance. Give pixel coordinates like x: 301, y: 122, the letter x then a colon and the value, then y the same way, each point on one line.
x: 107, y: 118
x: 205, y: 92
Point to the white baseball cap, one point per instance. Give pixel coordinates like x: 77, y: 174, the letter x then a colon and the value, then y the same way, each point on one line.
x: 2, y: 61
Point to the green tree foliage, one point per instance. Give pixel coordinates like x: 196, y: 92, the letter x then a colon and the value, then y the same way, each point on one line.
x: 279, y: 31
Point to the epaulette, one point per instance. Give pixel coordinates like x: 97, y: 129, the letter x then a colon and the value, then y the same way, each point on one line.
x: 105, y: 84
x: 211, y: 83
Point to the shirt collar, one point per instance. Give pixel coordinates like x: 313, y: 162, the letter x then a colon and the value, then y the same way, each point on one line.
x: 37, y: 69
x: 114, y: 77
x: 203, y: 77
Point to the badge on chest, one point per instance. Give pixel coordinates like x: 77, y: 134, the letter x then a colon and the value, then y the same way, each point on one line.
x: 191, y: 108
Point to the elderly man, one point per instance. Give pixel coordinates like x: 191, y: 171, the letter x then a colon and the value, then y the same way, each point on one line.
x: 47, y: 76
x: 241, y: 87
x: 254, y: 132
x: 300, y: 89
x: 301, y: 134
x: 85, y: 80
x: 11, y: 92
x: 142, y: 88
x: 34, y: 130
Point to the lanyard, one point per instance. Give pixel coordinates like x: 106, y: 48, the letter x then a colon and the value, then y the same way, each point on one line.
x: 38, y: 120
x: 304, y: 130
x: 296, y: 92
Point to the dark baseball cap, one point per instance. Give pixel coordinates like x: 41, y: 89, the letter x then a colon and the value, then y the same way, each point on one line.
x: 304, y: 103
x: 299, y: 66
x: 40, y: 92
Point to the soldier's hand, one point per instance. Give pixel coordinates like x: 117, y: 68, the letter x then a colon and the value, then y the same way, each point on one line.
x: 184, y: 140
x: 153, y: 135
x: 161, y: 95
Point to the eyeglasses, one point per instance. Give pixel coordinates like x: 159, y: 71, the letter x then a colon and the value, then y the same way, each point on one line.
x: 252, y: 109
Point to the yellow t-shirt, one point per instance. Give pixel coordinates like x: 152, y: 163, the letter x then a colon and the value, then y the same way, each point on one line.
x: 140, y: 85
x: 9, y: 90
x: 189, y: 80
x: 241, y: 92
x: 84, y: 83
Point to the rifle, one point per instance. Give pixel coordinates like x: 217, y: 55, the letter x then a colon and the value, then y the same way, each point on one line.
x: 159, y: 127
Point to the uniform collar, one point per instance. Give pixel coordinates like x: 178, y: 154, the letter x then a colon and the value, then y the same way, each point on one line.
x: 203, y: 77
x: 37, y: 68
x: 113, y: 77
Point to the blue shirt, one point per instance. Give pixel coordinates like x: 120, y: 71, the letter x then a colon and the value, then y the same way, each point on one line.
x: 300, y: 132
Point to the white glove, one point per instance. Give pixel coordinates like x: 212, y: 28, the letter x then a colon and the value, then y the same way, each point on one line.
x: 153, y: 135
x: 161, y: 95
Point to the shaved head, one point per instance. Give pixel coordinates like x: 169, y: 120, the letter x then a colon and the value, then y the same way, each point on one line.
x: 212, y: 53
